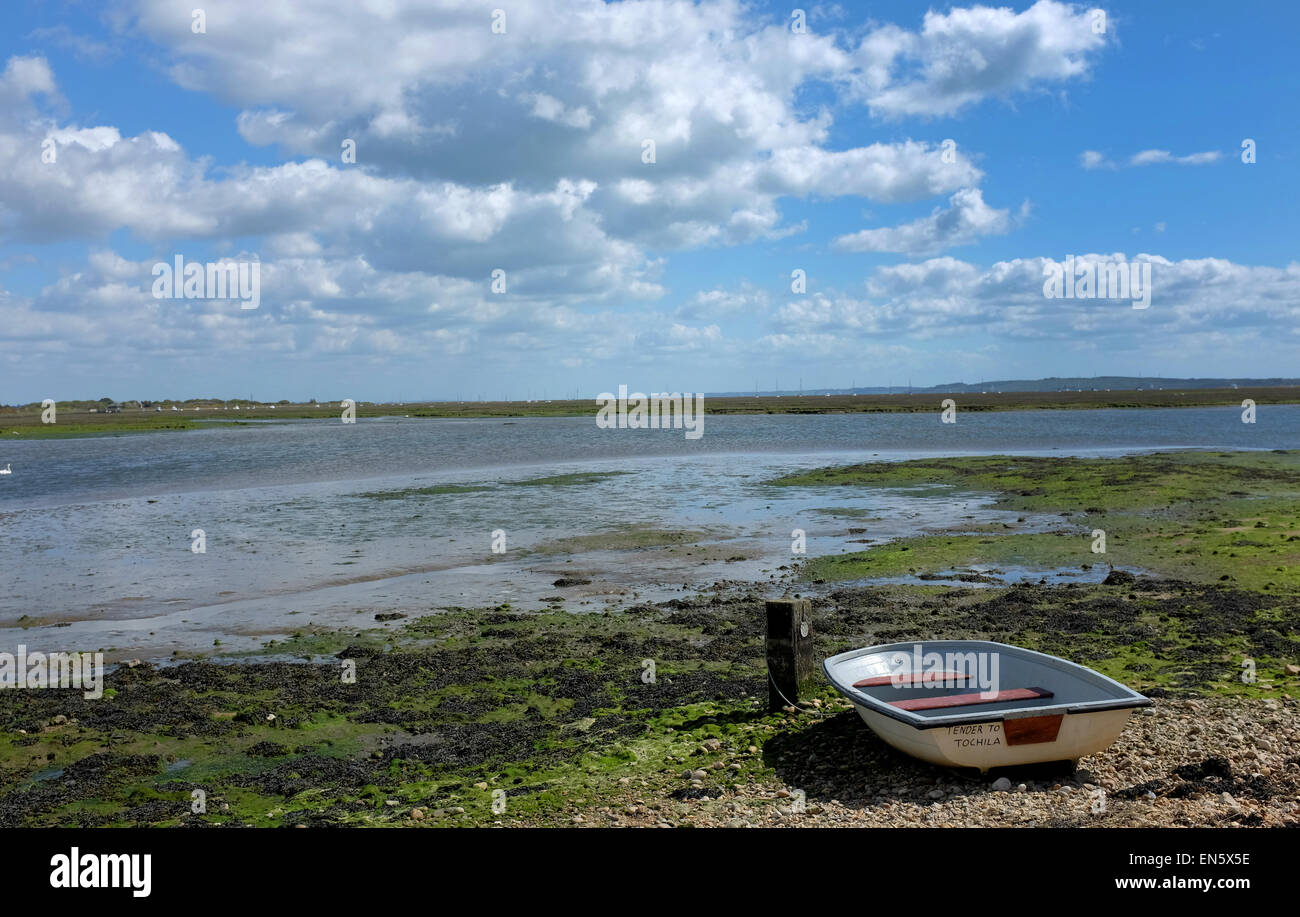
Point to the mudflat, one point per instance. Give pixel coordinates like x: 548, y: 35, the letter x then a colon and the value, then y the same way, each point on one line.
x: 657, y: 715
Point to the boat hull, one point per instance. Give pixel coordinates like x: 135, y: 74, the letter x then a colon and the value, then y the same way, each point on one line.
x: 981, y: 704
x: 986, y: 744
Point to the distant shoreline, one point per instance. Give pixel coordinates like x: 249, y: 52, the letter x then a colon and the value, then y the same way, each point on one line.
x: 75, y: 418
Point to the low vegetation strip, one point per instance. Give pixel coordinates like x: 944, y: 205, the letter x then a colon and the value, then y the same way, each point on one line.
x: 1200, y: 516
x: 75, y: 419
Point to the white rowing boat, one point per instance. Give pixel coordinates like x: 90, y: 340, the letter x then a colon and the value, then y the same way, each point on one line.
x: 975, y: 703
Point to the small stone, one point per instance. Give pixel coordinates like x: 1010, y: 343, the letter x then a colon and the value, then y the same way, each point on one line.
x: 1292, y: 669
x: 1021, y: 788
x: 712, y: 744
x: 390, y: 802
x: 481, y: 785
x: 1002, y: 784
x: 417, y: 814
x: 936, y: 794
x: 699, y: 774
x: 59, y: 719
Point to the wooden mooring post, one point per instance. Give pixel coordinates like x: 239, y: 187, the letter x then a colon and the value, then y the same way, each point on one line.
x: 791, y: 667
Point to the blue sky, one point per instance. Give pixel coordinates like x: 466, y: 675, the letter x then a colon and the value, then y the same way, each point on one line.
x: 522, y: 151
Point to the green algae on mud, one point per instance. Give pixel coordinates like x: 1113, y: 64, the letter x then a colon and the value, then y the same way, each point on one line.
x: 523, y: 703
x: 1208, y: 516
x: 67, y: 430
x: 1152, y: 480
x: 559, y: 480
x: 934, y: 554
x: 430, y: 491
x: 555, y: 713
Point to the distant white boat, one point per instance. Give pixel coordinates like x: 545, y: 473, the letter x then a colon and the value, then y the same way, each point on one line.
x: 6, y: 470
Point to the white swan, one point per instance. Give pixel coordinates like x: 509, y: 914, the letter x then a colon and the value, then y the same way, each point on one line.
x: 6, y: 470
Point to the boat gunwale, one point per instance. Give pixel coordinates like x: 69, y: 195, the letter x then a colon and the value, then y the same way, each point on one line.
x: 1130, y: 700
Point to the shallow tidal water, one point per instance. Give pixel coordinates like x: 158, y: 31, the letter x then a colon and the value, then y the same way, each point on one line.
x: 95, y: 532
